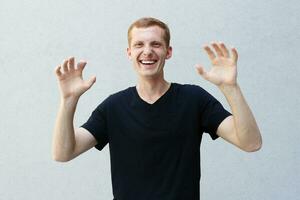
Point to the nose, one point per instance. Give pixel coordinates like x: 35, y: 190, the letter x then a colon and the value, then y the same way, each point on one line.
x: 147, y: 50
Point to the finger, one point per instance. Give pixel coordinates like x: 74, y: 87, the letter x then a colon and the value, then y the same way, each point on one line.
x: 200, y: 69
x: 65, y: 66
x: 210, y: 53
x: 71, y: 63
x: 217, y: 49
x: 224, y: 50
x: 57, y: 70
x: 91, y: 82
x: 234, y: 54
x: 81, y: 65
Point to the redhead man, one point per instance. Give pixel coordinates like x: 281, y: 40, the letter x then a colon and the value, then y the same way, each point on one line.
x: 154, y: 129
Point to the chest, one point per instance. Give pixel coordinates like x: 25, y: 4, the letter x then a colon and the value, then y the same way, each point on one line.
x: 152, y: 127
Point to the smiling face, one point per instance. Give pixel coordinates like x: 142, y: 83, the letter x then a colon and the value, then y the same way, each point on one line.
x: 148, y: 51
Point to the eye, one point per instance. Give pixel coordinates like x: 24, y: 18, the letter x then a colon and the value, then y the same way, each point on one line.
x: 156, y: 44
x: 137, y: 45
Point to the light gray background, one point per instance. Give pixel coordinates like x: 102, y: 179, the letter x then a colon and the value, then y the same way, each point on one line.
x: 35, y: 36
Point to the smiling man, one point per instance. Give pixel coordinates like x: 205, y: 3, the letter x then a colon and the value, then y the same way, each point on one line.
x: 154, y: 129
x: 148, y: 51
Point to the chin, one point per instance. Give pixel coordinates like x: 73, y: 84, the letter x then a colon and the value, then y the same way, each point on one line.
x: 149, y: 74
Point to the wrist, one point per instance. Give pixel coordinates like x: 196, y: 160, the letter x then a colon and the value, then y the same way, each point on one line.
x: 69, y: 101
x: 229, y: 89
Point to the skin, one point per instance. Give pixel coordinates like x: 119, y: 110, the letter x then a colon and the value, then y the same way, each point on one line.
x: 148, y: 45
x: 240, y: 129
x: 69, y: 142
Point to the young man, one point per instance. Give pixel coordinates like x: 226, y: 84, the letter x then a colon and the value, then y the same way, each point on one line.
x: 154, y: 129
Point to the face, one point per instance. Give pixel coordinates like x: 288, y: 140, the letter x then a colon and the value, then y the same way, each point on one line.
x: 148, y: 51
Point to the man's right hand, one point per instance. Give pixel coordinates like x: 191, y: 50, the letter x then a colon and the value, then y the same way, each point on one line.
x: 69, y: 142
x: 70, y: 79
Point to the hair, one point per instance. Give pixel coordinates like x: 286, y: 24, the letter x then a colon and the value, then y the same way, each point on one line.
x: 146, y: 22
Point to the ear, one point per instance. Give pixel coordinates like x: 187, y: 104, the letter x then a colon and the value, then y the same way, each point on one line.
x: 128, y: 53
x: 169, y: 52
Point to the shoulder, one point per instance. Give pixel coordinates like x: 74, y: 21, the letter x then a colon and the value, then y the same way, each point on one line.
x: 121, y: 95
x: 118, y: 97
x: 190, y: 90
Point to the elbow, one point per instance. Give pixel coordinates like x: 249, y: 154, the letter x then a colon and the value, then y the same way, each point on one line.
x: 253, y: 147
x: 255, y: 144
x: 60, y: 158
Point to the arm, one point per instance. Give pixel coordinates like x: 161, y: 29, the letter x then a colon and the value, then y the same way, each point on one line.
x: 241, y: 128
x: 68, y: 142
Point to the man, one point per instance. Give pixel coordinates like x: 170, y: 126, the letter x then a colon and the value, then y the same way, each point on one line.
x: 154, y: 130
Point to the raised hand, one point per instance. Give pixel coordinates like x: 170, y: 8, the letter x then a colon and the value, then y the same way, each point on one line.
x: 70, y: 79
x: 224, y: 65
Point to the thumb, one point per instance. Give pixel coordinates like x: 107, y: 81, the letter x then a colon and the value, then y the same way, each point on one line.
x: 90, y: 82
x: 200, y: 69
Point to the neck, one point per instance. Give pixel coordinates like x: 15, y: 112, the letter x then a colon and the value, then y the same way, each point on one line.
x: 152, y: 89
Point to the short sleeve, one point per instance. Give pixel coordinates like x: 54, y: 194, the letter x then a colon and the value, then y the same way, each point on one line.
x: 212, y: 114
x: 97, y: 125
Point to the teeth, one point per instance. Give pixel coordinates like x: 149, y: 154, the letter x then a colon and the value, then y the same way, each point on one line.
x: 147, y: 62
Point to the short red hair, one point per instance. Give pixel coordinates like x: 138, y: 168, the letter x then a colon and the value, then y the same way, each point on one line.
x: 146, y: 22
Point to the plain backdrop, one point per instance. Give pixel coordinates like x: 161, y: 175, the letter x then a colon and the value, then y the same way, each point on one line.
x: 35, y: 36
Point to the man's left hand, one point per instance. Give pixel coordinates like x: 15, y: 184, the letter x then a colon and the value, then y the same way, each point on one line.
x: 224, y: 65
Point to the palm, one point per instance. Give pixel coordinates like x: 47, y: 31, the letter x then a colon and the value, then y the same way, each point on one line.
x: 224, y: 69
x: 72, y: 84
x: 70, y: 80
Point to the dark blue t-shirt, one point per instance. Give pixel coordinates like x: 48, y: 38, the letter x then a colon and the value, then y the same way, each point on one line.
x: 155, y: 148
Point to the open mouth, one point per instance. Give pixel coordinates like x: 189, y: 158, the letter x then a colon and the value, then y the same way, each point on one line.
x: 147, y: 62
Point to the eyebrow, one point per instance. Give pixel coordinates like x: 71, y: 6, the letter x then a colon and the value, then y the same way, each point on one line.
x: 156, y: 42
x: 152, y: 42
x: 137, y: 42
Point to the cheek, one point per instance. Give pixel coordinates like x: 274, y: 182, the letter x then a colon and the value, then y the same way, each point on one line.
x: 164, y: 55
x: 135, y: 53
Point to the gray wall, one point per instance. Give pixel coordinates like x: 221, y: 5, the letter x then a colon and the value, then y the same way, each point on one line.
x: 35, y: 36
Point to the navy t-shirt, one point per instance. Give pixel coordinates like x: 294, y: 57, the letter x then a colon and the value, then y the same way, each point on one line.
x: 155, y: 148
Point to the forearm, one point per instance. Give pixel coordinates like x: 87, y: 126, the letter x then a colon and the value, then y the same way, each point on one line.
x: 64, y: 137
x: 246, y: 128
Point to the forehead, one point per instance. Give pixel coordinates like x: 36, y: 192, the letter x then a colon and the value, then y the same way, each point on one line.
x: 152, y: 33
